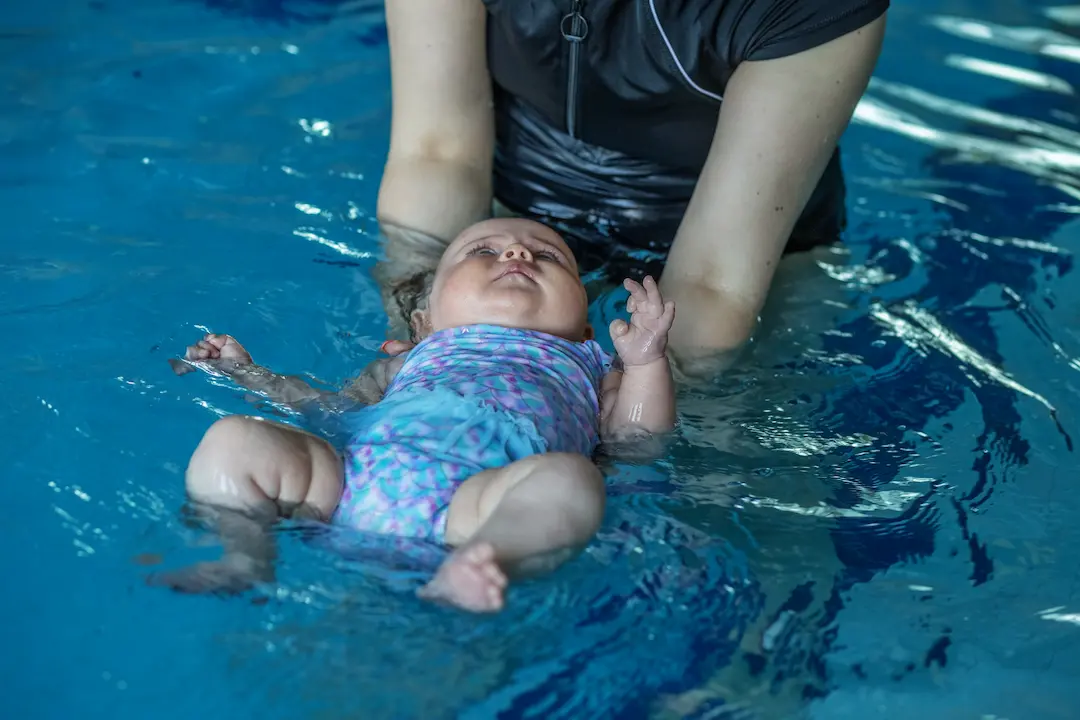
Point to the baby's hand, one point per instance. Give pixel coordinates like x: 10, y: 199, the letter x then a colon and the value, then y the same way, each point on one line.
x: 644, y: 339
x: 218, y: 347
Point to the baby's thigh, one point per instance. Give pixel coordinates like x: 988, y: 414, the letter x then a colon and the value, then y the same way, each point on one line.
x: 550, y: 479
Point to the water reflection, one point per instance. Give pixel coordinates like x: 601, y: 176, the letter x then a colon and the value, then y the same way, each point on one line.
x: 1004, y: 174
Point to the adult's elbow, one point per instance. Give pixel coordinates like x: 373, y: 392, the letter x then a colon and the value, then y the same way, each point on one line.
x: 437, y: 195
x: 710, y: 319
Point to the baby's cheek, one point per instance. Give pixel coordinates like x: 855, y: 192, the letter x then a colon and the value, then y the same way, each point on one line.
x: 453, y: 304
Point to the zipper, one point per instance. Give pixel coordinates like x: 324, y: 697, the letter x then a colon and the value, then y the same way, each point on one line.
x: 574, y: 29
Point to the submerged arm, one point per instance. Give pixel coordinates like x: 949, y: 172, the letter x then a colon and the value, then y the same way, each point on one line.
x: 778, y: 127
x: 638, y: 401
x: 284, y: 389
x: 371, y: 385
x: 366, y: 389
x: 294, y: 391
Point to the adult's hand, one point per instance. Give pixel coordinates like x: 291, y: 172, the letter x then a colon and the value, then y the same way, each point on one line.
x: 393, y: 348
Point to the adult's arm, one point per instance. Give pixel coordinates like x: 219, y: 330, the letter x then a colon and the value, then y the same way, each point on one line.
x: 437, y: 178
x: 779, y: 124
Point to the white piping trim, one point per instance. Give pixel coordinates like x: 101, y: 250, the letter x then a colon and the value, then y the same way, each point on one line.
x: 675, y: 58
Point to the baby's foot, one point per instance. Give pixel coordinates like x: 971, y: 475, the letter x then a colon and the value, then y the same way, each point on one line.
x: 470, y: 579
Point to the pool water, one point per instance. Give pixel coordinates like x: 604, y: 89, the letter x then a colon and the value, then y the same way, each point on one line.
x: 884, y: 484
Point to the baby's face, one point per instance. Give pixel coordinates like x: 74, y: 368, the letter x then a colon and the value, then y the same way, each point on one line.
x: 510, y: 272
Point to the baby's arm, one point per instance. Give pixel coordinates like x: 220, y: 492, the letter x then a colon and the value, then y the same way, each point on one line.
x: 640, y: 399
x: 371, y: 385
x: 223, y: 355
x: 284, y: 389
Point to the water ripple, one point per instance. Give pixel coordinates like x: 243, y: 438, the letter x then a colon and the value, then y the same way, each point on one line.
x: 1035, y: 40
x: 927, y: 333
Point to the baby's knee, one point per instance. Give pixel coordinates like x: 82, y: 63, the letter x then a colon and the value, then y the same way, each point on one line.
x: 579, y: 471
x: 220, y: 444
x: 217, y: 452
x: 231, y: 433
x: 574, y: 478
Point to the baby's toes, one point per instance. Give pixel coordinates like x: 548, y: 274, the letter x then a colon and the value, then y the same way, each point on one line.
x: 494, y: 574
x: 479, y: 554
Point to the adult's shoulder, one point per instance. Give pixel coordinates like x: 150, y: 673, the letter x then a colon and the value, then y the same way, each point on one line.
x: 769, y: 29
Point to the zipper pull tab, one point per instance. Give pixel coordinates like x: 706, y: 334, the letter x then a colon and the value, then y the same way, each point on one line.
x: 574, y: 27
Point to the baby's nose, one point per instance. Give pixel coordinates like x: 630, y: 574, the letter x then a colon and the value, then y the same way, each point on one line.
x: 517, y: 252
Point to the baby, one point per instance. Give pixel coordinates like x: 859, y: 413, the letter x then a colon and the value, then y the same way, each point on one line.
x: 480, y: 437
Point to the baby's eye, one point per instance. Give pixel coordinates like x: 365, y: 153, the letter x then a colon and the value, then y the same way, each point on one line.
x: 549, y: 256
x: 481, y: 250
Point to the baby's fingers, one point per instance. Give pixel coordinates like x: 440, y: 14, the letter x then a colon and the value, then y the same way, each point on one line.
x: 618, y: 328
x: 211, y: 347
x: 196, y: 352
x: 669, y: 315
x: 638, y: 296
x: 216, y: 341
x: 644, y: 298
x: 202, y: 350
x: 652, y: 292
x: 637, y: 292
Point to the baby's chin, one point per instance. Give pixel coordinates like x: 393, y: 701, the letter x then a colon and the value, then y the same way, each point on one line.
x: 538, y: 317
x: 576, y: 333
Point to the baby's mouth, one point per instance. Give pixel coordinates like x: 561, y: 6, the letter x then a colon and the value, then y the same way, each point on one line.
x: 517, y: 268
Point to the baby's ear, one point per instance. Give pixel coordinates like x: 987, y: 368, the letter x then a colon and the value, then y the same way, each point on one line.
x: 420, y: 324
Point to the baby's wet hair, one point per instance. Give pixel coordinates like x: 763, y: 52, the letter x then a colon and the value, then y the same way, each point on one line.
x: 405, y: 275
x: 410, y: 294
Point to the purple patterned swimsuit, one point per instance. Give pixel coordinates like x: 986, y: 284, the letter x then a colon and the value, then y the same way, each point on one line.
x: 466, y: 399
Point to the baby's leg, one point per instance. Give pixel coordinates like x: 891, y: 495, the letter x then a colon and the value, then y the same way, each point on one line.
x: 265, y: 468
x: 525, y: 518
x: 247, y: 473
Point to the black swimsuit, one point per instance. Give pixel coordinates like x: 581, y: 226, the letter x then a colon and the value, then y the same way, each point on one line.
x: 605, y: 136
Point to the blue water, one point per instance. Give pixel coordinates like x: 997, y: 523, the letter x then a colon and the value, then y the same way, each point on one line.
x: 889, y: 473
